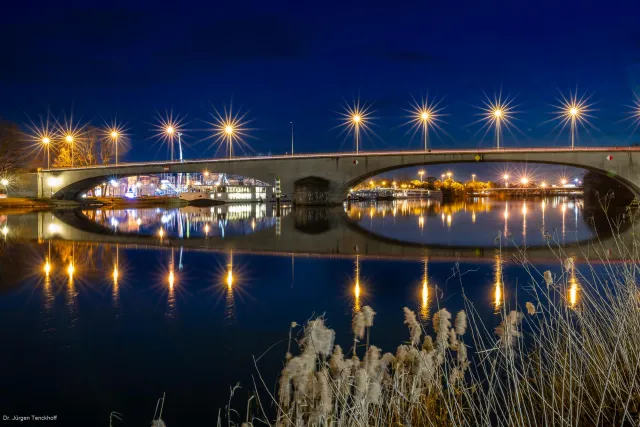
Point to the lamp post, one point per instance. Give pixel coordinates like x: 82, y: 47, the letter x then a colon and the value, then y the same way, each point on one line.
x: 473, y: 177
x: 228, y: 129
x: 506, y: 180
x: 449, y: 174
x: 574, y: 113
x: 170, y: 130
x: 5, y: 184
x: 497, y: 114
x: 114, y: 135
x: 291, y: 139
x: 424, y: 116
x: 356, y: 122
x: 69, y: 138
x: 421, y: 173
x: 47, y: 143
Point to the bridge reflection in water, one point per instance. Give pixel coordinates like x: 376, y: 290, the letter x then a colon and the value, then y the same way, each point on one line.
x: 464, y: 230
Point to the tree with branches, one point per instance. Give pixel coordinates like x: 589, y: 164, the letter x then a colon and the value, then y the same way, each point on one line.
x: 13, y: 155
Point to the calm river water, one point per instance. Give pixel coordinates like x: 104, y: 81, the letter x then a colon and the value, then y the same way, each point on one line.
x: 106, y: 310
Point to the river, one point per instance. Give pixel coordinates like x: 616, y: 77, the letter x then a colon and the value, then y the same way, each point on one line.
x: 105, y: 310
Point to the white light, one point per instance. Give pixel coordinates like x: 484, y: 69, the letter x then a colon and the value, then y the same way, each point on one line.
x: 113, y: 183
x: 4, y: 182
x: 53, y: 182
x: 54, y: 228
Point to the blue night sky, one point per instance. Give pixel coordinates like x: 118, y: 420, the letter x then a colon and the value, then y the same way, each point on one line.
x: 300, y: 61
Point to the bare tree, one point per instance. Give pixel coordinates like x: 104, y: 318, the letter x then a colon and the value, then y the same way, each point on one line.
x: 13, y: 155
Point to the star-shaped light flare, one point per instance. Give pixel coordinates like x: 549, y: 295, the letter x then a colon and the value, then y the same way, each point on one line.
x: 229, y: 129
x: 573, y: 111
x: 425, y: 114
x: 356, y: 119
x: 497, y: 113
x: 168, y: 128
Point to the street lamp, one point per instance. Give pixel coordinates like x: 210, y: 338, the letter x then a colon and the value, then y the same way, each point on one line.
x: 356, y: 118
x: 170, y: 131
x: 449, y: 175
x: 114, y: 135
x: 421, y: 173
x: 497, y: 113
x: 69, y: 138
x: 563, y: 181
x: 426, y: 118
x: 524, y: 180
x: 506, y: 180
x: 473, y: 177
x: 47, y: 143
x: 228, y: 130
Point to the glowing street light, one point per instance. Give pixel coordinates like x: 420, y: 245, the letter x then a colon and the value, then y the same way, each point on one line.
x: 524, y: 180
x: 473, y: 177
x: 449, y: 174
x: 497, y: 113
x: 543, y: 184
x: 46, y: 141
x: 573, y: 111
x: 506, y: 179
x: 424, y: 114
x: 69, y: 139
x: 421, y: 173
x: 355, y: 118
x: 167, y: 128
x: 116, y: 132
x: 229, y: 127
x: 563, y: 181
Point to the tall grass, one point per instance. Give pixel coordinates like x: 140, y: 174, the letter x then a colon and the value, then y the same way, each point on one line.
x: 553, y: 362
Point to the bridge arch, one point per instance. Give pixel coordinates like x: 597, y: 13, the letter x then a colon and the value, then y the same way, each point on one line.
x: 629, y: 184
x: 63, y: 185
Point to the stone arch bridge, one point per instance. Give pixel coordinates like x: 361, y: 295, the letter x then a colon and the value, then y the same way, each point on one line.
x: 325, y: 179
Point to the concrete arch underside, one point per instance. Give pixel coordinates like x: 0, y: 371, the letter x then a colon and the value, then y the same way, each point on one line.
x: 334, y: 174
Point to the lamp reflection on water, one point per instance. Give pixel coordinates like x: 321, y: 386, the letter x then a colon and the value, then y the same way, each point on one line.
x: 47, y: 268
x: 356, y: 288
x: 230, y: 310
x: 573, y: 286
x: 498, y: 285
x: 424, y: 293
x: 116, y: 277
x: 171, y: 281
